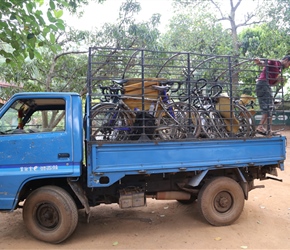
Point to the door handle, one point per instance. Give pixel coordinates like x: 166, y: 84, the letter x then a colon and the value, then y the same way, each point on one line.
x: 63, y: 155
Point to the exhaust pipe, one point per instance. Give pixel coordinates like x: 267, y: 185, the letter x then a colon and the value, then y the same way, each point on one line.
x: 171, y: 195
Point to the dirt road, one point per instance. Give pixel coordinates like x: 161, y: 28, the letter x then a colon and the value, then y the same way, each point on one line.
x: 264, y: 224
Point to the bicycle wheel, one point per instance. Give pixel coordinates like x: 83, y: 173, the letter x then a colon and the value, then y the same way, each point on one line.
x: 250, y: 119
x: 237, y: 123
x: 208, y: 125
x: 109, y: 122
x: 219, y: 124
x: 246, y: 122
x: 178, y: 121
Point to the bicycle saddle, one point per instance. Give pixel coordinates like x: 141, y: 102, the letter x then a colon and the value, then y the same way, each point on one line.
x: 160, y: 88
x: 120, y: 81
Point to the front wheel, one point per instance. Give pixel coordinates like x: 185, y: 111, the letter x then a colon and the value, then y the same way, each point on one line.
x: 50, y: 214
x: 221, y: 201
x: 109, y: 122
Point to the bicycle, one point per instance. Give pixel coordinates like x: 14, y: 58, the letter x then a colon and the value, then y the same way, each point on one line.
x: 212, y: 123
x: 220, y: 118
x: 114, y: 120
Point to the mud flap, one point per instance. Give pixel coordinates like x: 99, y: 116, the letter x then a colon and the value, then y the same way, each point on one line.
x: 78, y: 190
x: 243, y: 183
x: 195, y: 181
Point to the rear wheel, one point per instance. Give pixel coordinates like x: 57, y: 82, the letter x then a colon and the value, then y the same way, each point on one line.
x: 50, y: 214
x: 221, y: 201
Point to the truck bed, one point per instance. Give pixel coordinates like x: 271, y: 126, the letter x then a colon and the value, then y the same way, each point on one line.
x: 117, y: 160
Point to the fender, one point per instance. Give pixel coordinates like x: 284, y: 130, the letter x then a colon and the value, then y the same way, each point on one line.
x: 196, y: 180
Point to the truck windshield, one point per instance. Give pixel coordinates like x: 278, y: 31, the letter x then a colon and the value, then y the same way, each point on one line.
x: 9, y: 121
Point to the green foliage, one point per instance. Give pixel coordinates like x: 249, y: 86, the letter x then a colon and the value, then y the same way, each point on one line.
x: 23, y: 28
x: 40, y: 52
x: 126, y: 32
x: 199, y: 33
x: 278, y: 12
x: 64, y: 67
x: 265, y: 42
x: 28, y: 25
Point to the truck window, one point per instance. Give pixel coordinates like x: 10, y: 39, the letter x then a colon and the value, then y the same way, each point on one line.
x: 45, y: 120
x: 34, y: 116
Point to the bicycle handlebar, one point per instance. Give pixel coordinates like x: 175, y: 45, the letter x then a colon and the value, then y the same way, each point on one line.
x: 110, y: 92
x: 220, y: 90
x: 198, y: 81
x: 171, y: 83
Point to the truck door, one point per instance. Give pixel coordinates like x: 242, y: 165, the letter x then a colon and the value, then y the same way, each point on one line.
x: 34, y: 143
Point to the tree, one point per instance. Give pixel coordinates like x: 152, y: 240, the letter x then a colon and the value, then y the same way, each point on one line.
x: 198, y: 33
x: 126, y: 32
x: 65, y: 69
x: 263, y: 41
x: 226, y: 11
x: 28, y: 25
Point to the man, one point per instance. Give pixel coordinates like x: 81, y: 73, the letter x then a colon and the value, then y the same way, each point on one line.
x: 270, y: 76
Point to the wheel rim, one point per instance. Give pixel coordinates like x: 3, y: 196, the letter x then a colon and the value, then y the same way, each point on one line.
x: 223, y: 202
x: 47, y: 216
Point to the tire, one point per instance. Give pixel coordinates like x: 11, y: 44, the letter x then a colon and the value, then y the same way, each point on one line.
x: 221, y: 201
x: 247, y: 114
x: 208, y: 126
x: 109, y: 123
x: 50, y: 214
x: 219, y: 124
x: 178, y: 121
x: 245, y: 125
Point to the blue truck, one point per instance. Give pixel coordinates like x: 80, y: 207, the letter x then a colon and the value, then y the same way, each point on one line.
x: 54, y: 160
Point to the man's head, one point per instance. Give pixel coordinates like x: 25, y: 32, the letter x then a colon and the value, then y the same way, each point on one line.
x: 286, y: 62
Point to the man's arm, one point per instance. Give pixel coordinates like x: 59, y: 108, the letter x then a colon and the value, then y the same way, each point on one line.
x: 259, y: 62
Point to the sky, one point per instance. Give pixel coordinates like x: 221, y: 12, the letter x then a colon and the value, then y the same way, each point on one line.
x: 97, y: 14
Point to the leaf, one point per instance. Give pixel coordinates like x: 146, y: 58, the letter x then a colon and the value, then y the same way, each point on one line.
x: 45, y: 31
x: 12, y: 16
x: 31, y: 54
x: 58, y: 13
x: 38, y: 55
x: 50, y: 17
x: 60, y: 25
x: 115, y: 243
x: 30, y: 7
x: 53, y: 27
x: 52, y: 38
x: 30, y: 36
x: 40, y: 2
x: 51, y: 4
x: 15, y: 45
x: 217, y: 238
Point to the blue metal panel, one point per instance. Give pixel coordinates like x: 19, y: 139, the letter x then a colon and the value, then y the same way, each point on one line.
x: 28, y: 156
x: 13, y: 177
x: 118, y: 160
x: 75, y: 127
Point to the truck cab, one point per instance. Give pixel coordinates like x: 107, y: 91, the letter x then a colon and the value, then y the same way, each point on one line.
x: 41, y: 137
